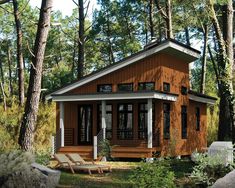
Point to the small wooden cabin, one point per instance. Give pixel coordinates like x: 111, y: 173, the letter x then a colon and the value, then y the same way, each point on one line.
x: 142, y: 104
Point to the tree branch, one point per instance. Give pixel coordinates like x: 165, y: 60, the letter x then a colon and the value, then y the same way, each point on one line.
x: 162, y: 12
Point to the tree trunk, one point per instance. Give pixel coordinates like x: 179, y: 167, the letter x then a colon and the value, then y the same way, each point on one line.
x: 169, y: 20
x: 225, y: 82
x: 31, y: 108
x: 203, y: 74
x: 9, y: 59
x: 20, y: 61
x: 81, y: 42
x: 187, y: 36
x: 151, y: 25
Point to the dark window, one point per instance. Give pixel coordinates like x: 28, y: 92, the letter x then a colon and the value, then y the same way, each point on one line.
x: 166, y: 87
x: 148, y: 86
x: 125, y: 87
x: 109, y: 120
x: 184, y: 121
x: 125, y: 121
x: 105, y: 88
x: 143, y: 120
x: 166, y: 123
x: 198, y: 119
x: 184, y: 90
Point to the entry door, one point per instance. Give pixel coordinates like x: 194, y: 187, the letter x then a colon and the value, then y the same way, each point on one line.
x: 84, y: 124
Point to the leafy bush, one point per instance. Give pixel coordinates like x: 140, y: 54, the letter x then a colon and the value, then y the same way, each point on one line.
x: 106, y: 149
x: 43, y: 157
x: 10, y: 121
x: 156, y: 174
x: 209, y: 168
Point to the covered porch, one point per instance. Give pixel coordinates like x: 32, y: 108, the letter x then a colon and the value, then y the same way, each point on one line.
x: 130, y: 121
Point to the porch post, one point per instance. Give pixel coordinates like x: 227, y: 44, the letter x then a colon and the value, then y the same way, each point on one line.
x: 103, y: 118
x: 150, y: 123
x: 62, y: 123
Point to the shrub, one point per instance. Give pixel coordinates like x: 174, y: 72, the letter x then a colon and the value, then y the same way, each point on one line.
x: 43, y: 157
x: 151, y: 175
x: 209, y: 168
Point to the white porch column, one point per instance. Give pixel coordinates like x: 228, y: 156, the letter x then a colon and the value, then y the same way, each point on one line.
x: 62, y: 123
x: 150, y: 123
x: 103, y: 118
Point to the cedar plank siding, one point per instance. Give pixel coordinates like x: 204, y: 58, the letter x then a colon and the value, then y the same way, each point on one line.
x: 157, y: 68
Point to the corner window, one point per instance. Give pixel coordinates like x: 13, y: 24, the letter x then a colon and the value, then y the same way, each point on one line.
x: 125, y: 122
x: 146, y: 86
x: 143, y: 120
x: 198, y: 119
x: 166, y: 87
x: 184, y: 90
x: 125, y: 87
x: 104, y: 88
x: 184, y: 122
x: 166, y: 120
x: 108, y: 118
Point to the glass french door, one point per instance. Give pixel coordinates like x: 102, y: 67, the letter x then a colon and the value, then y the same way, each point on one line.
x: 84, y: 124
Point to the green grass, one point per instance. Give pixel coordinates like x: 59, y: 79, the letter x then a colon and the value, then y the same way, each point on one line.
x: 120, y: 175
x: 117, y: 178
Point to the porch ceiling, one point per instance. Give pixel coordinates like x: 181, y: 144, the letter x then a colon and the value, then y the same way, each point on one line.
x: 117, y: 96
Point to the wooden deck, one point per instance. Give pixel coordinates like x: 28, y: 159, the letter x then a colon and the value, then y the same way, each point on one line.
x: 117, y: 152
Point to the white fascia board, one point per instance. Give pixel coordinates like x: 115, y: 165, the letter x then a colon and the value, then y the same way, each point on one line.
x: 127, y: 62
x: 116, y: 96
x: 201, y: 99
x: 184, y: 50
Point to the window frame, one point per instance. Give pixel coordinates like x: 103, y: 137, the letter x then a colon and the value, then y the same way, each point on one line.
x: 184, y: 122
x: 184, y: 90
x: 166, y: 128
x: 145, y: 127
x: 126, y: 131
x: 132, y: 87
x: 198, y: 118
x: 168, y: 87
x: 99, y: 121
x: 144, y: 86
x: 100, y: 85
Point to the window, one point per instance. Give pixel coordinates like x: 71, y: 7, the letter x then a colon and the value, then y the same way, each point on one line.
x: 184, y: 90
x: 125, y: 121
x: 166, y: 120
x: 184, y: 122
x: 143, y: 120
x: 148, y: 86
x: 125, y: 87
x: 109, y: 120
x: 166, y: 87
x: 198, y: 119
x: 105, y: 88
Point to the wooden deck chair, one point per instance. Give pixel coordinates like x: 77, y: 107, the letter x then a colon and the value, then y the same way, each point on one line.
x: 65, y: 162
x: 76, y: 158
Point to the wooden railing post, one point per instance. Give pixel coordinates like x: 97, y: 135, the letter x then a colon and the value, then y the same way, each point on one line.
x: 95, y: 147
x: 62, y: 123
x: 103, y: 118
x: 150, y: 123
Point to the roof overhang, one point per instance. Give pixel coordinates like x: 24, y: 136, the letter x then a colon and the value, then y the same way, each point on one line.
x: 115, y: 96
x: 169, y: 47
x: 200, y: 99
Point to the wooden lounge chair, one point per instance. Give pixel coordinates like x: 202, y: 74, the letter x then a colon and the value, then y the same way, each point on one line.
x: 76, y: 158
x: 65, y: 162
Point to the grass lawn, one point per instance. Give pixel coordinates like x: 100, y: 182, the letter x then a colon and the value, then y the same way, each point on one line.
x: 120, y: 175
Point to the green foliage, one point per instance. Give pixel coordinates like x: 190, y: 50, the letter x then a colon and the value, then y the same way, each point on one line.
x: 156, y: 174
x: 14, y: 161
x: 209, y: 168
x: 106, y: 149
x: 10, y: 123
x: 43, y: 157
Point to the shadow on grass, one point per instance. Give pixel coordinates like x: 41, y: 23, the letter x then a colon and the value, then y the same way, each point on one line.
x: 117, y: 178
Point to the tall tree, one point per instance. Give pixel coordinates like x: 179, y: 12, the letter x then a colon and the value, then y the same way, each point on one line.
x: 167, y: 16
x: 31, y: 108
x: 20, y: 60
x: 225, y: 64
